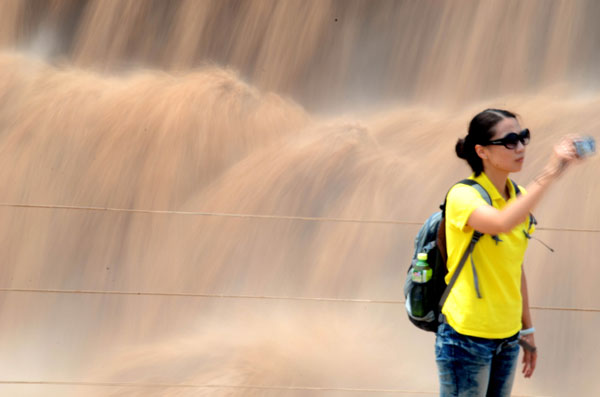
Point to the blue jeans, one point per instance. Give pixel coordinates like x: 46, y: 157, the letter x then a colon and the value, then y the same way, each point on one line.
x: 470, y: 366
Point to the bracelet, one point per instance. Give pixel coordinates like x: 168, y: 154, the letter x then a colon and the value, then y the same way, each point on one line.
x: 527, y: 331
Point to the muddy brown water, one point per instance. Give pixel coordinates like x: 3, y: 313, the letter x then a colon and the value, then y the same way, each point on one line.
x: 319, y: 116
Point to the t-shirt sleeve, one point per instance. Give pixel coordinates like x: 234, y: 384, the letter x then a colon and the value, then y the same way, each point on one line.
x: 461, y: 202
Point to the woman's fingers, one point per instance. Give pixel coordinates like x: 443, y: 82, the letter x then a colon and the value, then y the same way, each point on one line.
x: 529, y: 357
x: 564, y: 154
x: 529, y: 362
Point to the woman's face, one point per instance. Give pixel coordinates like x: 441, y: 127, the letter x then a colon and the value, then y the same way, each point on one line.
x: 498, y: 156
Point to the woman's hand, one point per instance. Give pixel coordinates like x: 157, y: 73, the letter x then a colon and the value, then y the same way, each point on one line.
x: 529, y: 357
x: 563, y: 155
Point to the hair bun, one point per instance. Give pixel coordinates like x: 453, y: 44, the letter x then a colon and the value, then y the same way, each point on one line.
x: 460, y: 148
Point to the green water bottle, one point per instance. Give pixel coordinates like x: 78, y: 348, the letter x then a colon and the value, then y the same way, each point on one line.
x: 421, y: 274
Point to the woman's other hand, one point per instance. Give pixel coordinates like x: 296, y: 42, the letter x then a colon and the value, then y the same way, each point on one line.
x: 529, y: 357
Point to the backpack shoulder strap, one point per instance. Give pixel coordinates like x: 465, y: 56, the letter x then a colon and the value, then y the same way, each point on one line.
x: 476, y: 236
x: 479, y: 188
x: 469, y: 182
x: 532, y: 220
x: 461, y: 264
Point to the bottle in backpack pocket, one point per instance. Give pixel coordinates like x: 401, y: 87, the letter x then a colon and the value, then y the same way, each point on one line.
x: 421, y: 274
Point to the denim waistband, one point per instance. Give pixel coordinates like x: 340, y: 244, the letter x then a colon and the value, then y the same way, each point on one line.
x: 442, y: 320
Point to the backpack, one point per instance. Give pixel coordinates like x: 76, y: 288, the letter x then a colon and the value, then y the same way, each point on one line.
x: 431, y: 239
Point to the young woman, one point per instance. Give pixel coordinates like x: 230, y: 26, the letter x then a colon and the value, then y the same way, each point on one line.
x: 487, y: 310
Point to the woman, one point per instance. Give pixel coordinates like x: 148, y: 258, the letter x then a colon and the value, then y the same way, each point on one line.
x: 487, y: 310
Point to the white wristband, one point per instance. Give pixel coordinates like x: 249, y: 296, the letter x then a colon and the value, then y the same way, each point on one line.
x: 527, y: 331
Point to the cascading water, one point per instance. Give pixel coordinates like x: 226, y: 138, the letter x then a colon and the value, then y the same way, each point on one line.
x: 314, y: 122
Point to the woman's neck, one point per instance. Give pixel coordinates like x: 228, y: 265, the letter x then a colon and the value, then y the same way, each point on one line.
x: 498, y: 179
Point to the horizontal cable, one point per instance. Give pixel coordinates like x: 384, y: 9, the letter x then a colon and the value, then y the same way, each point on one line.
x: 212, y: 386
x: 218, y: 386
x: 567, y: 229
x: 254, y: 216
x: 216, y: 214
x: 196, y: 295
x: 565, y: 309
x: 258, y: 297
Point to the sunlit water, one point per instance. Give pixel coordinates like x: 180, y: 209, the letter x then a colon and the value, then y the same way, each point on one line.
x: 325, y: 109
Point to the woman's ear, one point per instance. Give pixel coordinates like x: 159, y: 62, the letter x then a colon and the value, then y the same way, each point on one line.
x: 481, y: 152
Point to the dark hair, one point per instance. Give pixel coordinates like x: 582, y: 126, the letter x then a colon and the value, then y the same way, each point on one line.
x: 481, y: 130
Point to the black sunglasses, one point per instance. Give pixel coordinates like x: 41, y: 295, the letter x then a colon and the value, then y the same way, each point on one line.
x: 511, y: 140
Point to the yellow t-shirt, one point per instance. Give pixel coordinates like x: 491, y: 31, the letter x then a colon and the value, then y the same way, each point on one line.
x: 498, y: 313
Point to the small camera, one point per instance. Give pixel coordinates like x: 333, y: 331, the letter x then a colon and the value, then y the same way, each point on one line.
x: 585, y: 146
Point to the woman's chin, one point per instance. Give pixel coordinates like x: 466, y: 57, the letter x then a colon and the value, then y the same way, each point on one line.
x: 518, y: 165
x: 518, y: 168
